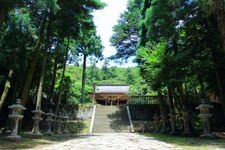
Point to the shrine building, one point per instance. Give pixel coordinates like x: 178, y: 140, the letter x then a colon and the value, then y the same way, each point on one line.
x: 112, y: 94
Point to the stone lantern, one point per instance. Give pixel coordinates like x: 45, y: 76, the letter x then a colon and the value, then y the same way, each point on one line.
x: 37, y: 118
x: 156, y: 122
x: 186, y: 122
x: 49, y: 119
x: 163, y: 120
x: 59, y: 123
x: 205, y: 116
x: 65, y: 123
x: 15, y: 117
x: 173, y: 123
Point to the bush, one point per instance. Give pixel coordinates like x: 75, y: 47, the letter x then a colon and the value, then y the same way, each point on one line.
x: 76, y: 126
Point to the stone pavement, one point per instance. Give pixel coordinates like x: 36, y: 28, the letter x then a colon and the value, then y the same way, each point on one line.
x: 110, y: 141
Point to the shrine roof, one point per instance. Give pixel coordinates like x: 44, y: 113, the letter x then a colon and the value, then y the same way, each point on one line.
x: 112, y: 89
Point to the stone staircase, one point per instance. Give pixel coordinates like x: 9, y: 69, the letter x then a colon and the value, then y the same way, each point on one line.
x: 111, y: 119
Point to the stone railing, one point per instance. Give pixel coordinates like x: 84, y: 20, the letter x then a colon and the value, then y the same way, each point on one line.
x: 143, y: 100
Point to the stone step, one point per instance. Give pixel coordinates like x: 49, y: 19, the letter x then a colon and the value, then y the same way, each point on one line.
x: 111, y: 119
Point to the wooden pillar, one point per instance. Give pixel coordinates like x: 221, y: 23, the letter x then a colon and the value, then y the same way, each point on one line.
x: 117, y: 102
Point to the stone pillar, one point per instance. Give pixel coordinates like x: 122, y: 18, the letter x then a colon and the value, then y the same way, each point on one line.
x: 186, y: 123
x: 65, y: 124
x: 173, y: 123
x: 156, y: 122
x: 205, y: 116
x: 49, y: 121
x: 37, y: 118
x: 59, y: 124
x: 15, y: 117
x: 163, y: 120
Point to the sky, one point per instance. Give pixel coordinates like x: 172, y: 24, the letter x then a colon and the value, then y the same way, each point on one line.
x: 104, y: 20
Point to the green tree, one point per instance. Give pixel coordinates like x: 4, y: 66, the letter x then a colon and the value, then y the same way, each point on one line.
x: 125, y: 36
x: 89, y: 44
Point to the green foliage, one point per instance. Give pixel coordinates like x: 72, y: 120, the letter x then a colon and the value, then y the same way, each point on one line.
x: 125, y: 36
x: 130, y: 76
x: 76, y: 127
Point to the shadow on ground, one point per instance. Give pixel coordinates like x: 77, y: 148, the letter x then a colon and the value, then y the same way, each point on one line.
x: 192, y: 142
x: 119, y: 120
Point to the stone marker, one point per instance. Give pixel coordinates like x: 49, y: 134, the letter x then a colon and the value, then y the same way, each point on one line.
x: 173, y: 123
x: 205, y: 116
x: 37, y: 118
x: 163, y: 120
x: 186, y: 122
x: 49, y: 120
x: 15, y: 117
x: 156, y: 122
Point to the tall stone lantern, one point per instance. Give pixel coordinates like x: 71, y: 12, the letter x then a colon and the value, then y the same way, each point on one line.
x: 15, y: 117
x: 49, y: 119
x: 37, y: 118
x: 65, y: 119
x: 205, y: 115
x: 186, y: 123
x: 59, y: 123
x: 156, y: 122
x: 173, y: 123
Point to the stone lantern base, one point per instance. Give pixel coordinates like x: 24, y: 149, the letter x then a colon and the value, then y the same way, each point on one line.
x: 208, y: 136
x: 14, y: 137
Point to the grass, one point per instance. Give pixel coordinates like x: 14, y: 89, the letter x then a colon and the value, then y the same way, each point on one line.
x: 190, y: 143
x: 28, y: 142
x: 87, y: 123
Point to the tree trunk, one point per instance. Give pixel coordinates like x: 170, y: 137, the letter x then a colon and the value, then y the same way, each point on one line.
x: 83, y: 78
x: 3, y: 13
x: 54, y: 71
x: 170, y: 98
x: 219, y: 10
x: 40, y: 86
x: 6, y: 89
x: 44, y: 62
x: 29, y: 76
x: 62, y: 77
x: 32, y: 66
x: 222, y: 100
x: 161, y: 103
x: 183, y: 98
x: 176, y: 103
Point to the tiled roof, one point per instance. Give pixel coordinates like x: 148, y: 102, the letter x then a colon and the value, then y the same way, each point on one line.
x: 112, y: 89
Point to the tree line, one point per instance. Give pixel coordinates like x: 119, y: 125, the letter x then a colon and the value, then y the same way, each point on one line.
x: 38, y: 38
x: 179, y: 47
x: 100, y: 76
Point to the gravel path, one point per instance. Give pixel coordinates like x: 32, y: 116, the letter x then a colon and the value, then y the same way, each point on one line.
x: 110, y: 141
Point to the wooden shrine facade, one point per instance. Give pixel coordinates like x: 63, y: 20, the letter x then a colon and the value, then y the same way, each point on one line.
x: 111, y: 94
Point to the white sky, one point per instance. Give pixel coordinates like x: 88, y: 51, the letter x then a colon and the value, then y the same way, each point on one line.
x: 104, y: 20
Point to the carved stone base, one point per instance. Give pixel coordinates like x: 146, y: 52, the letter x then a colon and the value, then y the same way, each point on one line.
x: 36, y: 135
x: 187, y: 133
x: 14, y: 137
x: 173, y: 133
x: 208, y: 136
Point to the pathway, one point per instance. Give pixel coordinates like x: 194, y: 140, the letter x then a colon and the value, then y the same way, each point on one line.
x: 110, y: 141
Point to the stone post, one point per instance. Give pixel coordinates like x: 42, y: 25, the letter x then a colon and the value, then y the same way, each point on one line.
x: 156, y: 122
x: 205, y: 116
x: 186, y: 123
x: 163, y: 120
x: 65, y: 124
x: 59, y: 124
x: 49, y: 121
x: 172, y: 123
x: 15, y: 117
x: 37, y: 118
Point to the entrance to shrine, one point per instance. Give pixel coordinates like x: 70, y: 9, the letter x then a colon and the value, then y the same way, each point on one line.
x: 111, y: 94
